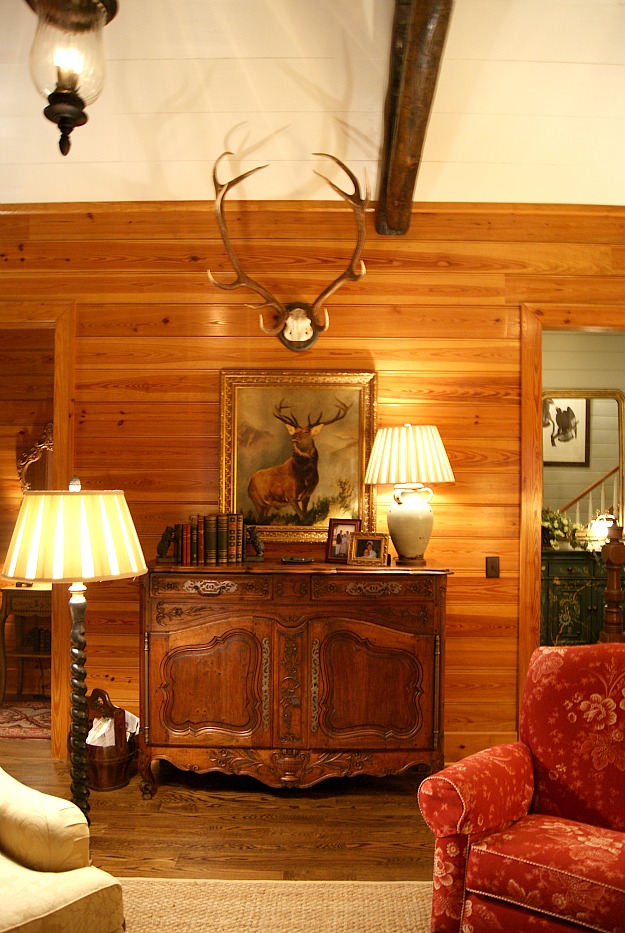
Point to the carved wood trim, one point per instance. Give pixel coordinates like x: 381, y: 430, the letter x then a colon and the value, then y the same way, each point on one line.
x: 210, y: 587
x: 291, y: 689
x: 284, y: 767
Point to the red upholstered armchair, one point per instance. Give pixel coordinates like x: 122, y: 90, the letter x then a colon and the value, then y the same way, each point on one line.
x: 530, y: 836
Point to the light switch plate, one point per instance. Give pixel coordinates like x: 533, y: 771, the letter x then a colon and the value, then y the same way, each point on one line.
x: 492, y: 566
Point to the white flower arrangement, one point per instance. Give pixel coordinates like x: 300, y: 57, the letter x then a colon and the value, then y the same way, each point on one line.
x: 560, y: 528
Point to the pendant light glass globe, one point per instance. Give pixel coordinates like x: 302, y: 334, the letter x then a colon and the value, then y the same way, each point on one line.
x: 61, y: 60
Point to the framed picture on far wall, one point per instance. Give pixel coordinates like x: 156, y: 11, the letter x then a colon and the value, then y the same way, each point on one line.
x: 340, y: 531
x: 566, y: 430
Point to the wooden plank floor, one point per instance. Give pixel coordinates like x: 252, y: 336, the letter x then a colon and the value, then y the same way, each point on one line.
x: 215, y: 826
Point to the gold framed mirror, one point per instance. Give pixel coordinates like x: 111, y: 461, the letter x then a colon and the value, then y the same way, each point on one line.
x: 34, y: 468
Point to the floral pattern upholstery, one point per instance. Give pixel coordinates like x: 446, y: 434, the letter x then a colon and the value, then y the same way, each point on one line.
x: 531, y: 835
x: 573, y: 719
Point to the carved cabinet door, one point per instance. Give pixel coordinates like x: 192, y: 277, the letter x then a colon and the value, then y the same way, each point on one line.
x: 371, y: 687
x: 210, y: 684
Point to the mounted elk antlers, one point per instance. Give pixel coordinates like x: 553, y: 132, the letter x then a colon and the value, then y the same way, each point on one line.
x: 296, y: 324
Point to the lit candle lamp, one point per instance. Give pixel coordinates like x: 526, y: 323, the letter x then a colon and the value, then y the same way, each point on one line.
x: 69, y: 65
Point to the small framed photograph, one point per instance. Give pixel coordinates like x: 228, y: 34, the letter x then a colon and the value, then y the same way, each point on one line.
x: 340, y: 533
x: 369, y: 550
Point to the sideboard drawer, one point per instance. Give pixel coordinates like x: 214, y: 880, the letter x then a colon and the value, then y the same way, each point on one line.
x: 212, y: 585
x: 372, y: 586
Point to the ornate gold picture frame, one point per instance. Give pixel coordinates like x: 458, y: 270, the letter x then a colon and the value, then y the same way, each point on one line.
x: 368, y: 550
x: 294, y: 448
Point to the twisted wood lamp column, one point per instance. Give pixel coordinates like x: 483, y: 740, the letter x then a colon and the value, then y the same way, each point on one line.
x: 79, y: 710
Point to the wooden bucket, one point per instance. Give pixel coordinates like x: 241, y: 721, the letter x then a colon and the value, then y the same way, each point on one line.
x: 110, y: 767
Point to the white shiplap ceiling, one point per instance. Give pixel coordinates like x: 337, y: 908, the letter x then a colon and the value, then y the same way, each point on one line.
x: 530, y: 103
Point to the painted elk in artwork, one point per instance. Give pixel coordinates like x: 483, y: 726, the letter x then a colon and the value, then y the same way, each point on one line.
x: 296, y: 324
x: 293, y: 482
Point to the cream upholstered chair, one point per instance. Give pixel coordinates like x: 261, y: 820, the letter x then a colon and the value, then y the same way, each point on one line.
x: 530, y: 836
x: 46, y: 882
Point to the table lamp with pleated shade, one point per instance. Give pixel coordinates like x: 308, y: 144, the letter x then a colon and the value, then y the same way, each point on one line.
x: 409, y: 457
x: 72, y: 536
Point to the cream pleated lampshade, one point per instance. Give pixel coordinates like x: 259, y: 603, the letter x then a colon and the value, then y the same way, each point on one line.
x: 65, y: 536
x: 409, y: 454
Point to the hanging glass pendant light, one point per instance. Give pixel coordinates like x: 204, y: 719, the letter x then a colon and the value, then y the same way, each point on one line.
x: 67, y: 58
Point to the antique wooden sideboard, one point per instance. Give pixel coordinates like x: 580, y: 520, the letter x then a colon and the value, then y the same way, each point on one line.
x: 292, y: 674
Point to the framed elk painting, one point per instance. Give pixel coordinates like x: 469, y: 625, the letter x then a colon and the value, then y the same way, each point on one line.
x: 294, y: 448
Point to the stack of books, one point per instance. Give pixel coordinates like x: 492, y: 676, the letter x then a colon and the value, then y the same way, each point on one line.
x: 210, y: 539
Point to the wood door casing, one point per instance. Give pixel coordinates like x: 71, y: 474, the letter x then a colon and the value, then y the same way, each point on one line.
x: 534, y: 319
x: 61, y: 317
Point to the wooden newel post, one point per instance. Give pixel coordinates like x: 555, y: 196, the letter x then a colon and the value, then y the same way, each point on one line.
x: 613, y: 554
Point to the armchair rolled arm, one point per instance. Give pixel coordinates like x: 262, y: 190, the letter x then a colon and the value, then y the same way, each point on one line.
x: 481, y: 793
x: 41, y: 832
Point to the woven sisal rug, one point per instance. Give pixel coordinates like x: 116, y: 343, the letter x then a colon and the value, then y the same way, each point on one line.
x: 174, y: 905
x: 25, y: 719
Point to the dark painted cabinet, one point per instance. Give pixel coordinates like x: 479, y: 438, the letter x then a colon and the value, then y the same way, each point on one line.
x: 572, y: 597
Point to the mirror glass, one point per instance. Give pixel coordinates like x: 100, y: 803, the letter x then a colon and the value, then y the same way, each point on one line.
x: 583, y: 423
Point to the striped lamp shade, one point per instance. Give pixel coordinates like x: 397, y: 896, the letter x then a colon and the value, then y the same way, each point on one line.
x: 409, y: 454
x: 64, y: 536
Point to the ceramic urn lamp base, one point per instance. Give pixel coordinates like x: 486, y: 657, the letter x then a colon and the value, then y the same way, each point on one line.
x: 410, y: 521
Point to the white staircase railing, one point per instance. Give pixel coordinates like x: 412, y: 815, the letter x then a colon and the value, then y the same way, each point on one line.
x: 600, y: 497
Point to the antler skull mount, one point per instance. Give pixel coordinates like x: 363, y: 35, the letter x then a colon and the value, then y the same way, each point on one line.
x: 296, y: 324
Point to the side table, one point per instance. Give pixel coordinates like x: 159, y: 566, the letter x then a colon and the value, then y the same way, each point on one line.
x: 24, y: 603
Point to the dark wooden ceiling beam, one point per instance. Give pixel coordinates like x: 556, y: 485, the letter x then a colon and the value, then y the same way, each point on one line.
x: 419, y: 32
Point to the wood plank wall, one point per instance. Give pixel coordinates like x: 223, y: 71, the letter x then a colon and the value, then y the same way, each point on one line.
x: 26, y: 399
x: 437, y: 318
